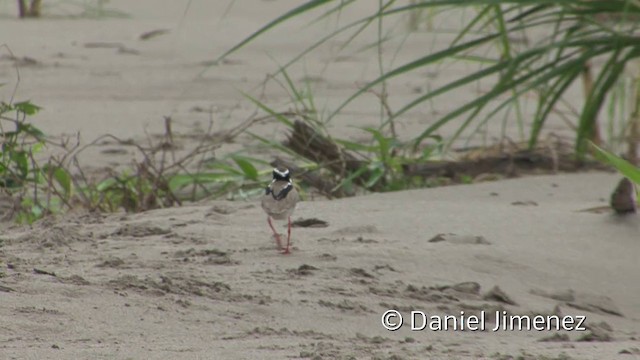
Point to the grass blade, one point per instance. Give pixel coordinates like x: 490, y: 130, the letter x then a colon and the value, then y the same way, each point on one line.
x: 283, y: 119
x: 288, y: 15
x: 250, y: 171
x: 624, y: 167
x: 426, y: 60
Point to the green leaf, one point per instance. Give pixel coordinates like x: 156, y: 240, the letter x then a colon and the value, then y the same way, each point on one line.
x: 62, y: 176
x: 347, y: 182
x: 228, y: 169
x: 296, y: 94
x: 549, y: 100
x: 27, y: 107
x: 106, y: 184
x: 354, y: 146
x: 384, y: 143
x: 31, y: 130
x: 179, y: 181
x: 37, y: 147
x: 22, y: 162
x: 270, y: 111
x: 37, y: 211
x: 274, y: 145
x: 624, y: 167
x: 608, y: 77
x: 376, y: 175
x: 250, y: 171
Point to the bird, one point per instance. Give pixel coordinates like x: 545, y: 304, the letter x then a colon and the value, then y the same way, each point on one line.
x: 623, y: 199
x: 279, y: 201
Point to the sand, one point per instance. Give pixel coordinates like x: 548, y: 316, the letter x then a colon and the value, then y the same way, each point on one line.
x: 204, y: 281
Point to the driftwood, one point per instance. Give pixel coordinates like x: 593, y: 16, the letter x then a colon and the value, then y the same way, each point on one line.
x: 306, y: 141
x: 508, y: 163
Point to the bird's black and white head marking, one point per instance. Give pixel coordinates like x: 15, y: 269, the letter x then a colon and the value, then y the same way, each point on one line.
x: 280, y: 176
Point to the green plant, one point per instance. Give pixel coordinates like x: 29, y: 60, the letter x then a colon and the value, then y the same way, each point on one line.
x: 579, y: 32
x: 161, y: 178
x: 19, y: 144
x: 42, y: 184
x: 382, y: 160
x: 624, y: 167
x: 233, y: 176
x: 41, y: 188
x: 386, y: 159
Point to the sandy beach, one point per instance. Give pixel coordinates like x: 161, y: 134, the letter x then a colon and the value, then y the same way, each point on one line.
x: 205, y: 281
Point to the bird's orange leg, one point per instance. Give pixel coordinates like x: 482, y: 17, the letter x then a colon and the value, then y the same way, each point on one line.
x: 275, y: 233
x: 286, y: 250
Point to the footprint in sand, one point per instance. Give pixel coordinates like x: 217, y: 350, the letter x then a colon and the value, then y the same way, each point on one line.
x: 357, y: 230
x: 141, y: 230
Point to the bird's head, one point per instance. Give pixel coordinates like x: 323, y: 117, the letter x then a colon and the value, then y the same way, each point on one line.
x: 281, y: 174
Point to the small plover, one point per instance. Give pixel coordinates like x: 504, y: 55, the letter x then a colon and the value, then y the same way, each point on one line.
x: 279, y: 201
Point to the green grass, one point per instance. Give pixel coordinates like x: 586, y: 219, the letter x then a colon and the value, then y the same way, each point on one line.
x: 577, y: 35
x: 624, y: 167
x: 49, y: 185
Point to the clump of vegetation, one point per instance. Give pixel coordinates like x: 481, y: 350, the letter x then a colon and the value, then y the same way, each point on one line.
x: 337, y: 167
x: 49, y: 184
x: 162, y: 178
x: 579, y: 32
x: 576, y: 34
x: 35, y: 184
